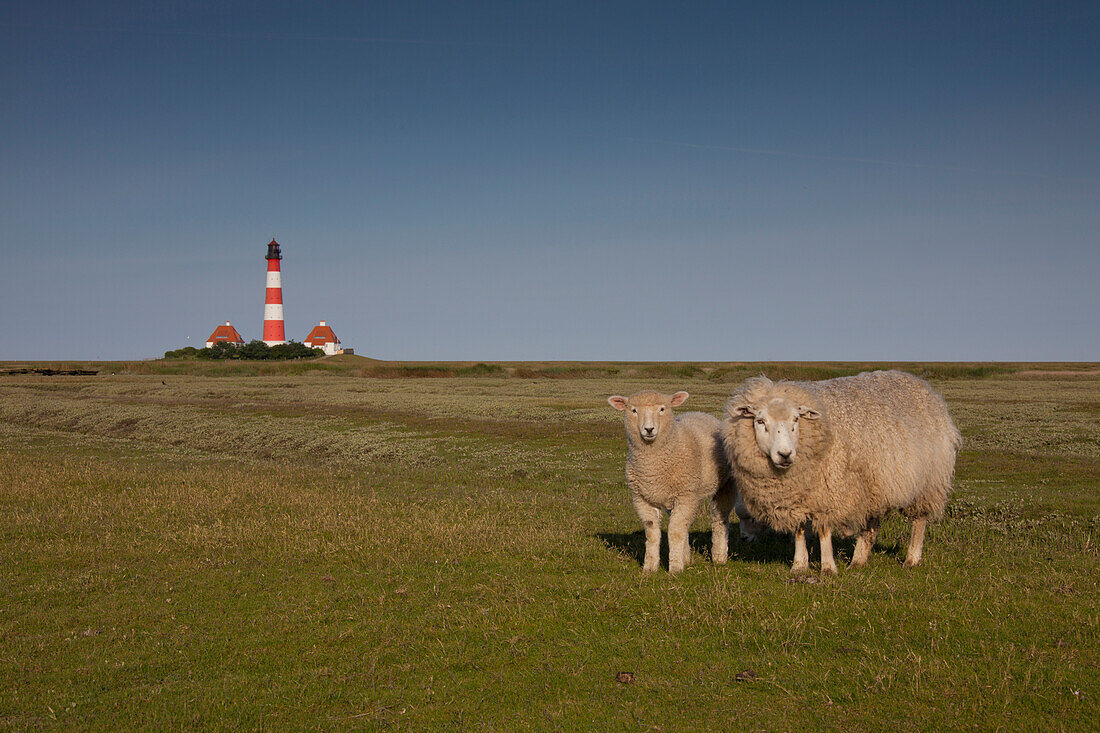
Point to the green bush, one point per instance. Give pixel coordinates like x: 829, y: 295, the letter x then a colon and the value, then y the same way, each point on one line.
x: 254, y: 350
x: 221, y: 350
x: 293, y: 350
x: 186, y: 352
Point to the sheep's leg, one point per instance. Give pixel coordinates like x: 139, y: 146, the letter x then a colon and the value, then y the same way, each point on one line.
x: 864, y: 543
x: 749, y: 529
x: 828, y: 562
x: 720, y: 509
x: 651, y: 523
x: 679, y: 522
x: 916, y: 541
x: 801, y: 556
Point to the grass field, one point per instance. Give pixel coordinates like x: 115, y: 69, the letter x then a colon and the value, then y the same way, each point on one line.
x: 357, y: 544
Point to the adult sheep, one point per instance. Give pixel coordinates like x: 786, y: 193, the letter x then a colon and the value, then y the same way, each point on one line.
x: 674, y: 464
x: 841, y: 454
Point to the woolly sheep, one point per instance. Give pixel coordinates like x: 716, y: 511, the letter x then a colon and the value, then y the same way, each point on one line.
x: 864, y: 445
x: 674, y: 464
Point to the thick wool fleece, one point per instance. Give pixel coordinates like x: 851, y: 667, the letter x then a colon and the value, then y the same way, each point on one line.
x: 685, y: 463
x: 884, y: 440
x: 684, y: 467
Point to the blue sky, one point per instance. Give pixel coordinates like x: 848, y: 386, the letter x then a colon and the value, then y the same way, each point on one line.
x: 688, y: 181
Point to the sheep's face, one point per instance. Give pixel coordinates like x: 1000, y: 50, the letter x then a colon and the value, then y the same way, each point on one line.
x: 647, y: 414
x: 775, y: 423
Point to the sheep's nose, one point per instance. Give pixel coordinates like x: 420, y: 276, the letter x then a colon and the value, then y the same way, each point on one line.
x: 784, y: 454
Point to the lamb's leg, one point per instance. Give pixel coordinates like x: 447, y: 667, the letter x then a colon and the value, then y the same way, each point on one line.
x: 801, y: 556
x: 864, y: 543
x: 651, y: 523
x: 828, y: 562
x: 720, y: 508
x: 679, y: 522
x: 916, y: 541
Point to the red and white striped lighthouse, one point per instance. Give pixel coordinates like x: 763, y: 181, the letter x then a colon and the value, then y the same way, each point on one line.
x: 274, y: 331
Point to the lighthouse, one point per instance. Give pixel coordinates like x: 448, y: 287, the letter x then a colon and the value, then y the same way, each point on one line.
x: 274, y: 332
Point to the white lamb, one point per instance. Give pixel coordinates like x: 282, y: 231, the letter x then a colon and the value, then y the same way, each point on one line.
x: 674, y: 464
x: 841, y: 454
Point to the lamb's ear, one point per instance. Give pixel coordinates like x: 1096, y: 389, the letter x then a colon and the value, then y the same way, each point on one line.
x: 619, y: 403
x: 679, y: 398
x: 738, y: 407
x: 808, y: 412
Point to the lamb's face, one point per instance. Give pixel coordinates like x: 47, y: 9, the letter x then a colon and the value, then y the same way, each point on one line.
x: 775, y: 423
x: 647, y: 414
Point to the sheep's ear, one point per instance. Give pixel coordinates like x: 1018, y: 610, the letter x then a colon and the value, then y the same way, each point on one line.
x: 741, y: 409
x: 619, y: 403
x: 679, y: 398
x: 808, y: 412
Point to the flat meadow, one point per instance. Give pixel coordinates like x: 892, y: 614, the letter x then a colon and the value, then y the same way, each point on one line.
x: 364, y: 545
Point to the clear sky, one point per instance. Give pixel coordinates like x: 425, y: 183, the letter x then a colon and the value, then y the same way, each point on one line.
x: 512, y: 180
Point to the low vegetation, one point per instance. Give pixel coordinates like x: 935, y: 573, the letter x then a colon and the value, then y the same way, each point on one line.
x: 324, y: 545
x: 254, y: 350
x: 184, y: 361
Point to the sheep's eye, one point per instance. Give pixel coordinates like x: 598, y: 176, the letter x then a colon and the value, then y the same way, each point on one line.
x: 634, y: 410
x: 661, y: 410
x: 759, y: 422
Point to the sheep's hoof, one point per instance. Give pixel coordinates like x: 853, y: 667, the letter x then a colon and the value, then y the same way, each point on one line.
x: 855, y: 563
x: 800, y: 569
x: 830, y: 570
x: 649, y: 569
x: 909, y: 563
x: 675, y: 569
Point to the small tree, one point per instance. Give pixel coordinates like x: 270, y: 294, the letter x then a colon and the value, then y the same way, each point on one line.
x: 224, y: 350
x: 256, y: 349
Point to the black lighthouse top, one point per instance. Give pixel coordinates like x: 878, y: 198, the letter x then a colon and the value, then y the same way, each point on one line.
x: 273, y: 252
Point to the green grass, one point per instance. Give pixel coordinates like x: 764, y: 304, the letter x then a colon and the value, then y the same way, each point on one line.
x: 334, y: 550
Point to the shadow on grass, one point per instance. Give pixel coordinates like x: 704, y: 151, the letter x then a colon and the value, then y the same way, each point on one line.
x: 774, y: 548
x: 632, y: 544
x: 896, y: 550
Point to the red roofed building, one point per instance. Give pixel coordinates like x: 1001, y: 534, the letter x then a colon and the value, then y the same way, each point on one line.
x: 225, y: 335
x: 322, y: 337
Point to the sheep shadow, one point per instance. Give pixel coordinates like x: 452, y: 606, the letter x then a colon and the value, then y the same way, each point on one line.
x: 772, y: 548
x: 632, y: 544
x: 896, y: 550
x: 777, y: 545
